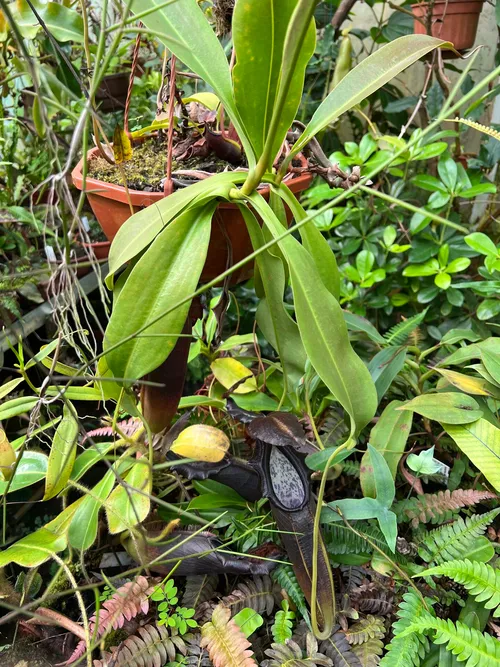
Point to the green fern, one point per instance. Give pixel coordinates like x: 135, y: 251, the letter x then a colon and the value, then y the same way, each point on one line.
x: 369, y: 652
x: 286, y: 578
x: 455, y: 540
x: 407, y: 651
x: 371, y: 627
x: 340, y: 539
x: 481, y: 580
x: 398, y: 334
x: 281, y: 629
x: 472, y: 647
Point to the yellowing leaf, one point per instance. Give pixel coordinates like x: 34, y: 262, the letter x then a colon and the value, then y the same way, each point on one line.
x: 208, y: 100
x: 201, y: 442
x: 122, y: 148
x: 230, y: 372
x: 7, y: 456
x: 470, y: 385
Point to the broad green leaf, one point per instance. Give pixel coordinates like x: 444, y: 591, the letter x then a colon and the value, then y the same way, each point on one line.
x: 255, y: 402
x: 323, y: 329
x: 167, y: 272
x: 442, y: 280
x: 273, y: 319
x: 479, y: 189
x: 82, y: 531
x: 184, y: 29
x: 371, y: 74
x: 230, y: 372
x: 480, y: 442
x: 45, y: 350
x: 473, y: 351
x: 64, y: 24
x: 424, y: 463
x: 9, y: 386
x: 259, y: 29
x: 235, y: 341
x: 457, y: 265
x: 358, y: 323
x: 315, y: 243
x: 201, y: 442
x: 95, y: 453
x: 456, y: 335
x: 481, y: 243
x: 35, y: 549
x: 488, y: 309
x: 248, y: 621
x: 83, y: 528
x: 140, y: 229
x: 388, y: 436
x: 62, y: 454
x: 128, y: 506
x: 16, y: 406
x: 73, y: 393
x: 31, y: 469
x: 427, y: 269
x: 470, y: 385
x: 384, y: 367
x: 318, y: 460
x: 200, y: 401
x: 449, y: 407
x: 491, y: 362
x: 428, y: 182
x: 448, y: 171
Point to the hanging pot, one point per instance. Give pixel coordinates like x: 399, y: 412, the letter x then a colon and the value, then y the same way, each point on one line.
x: 454, y: 21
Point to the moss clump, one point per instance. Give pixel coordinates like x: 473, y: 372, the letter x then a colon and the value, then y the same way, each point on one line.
x: 146, y: 169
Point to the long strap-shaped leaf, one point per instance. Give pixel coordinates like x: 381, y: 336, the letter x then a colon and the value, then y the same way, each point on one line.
x: 167, y: 272
x: 323, y: 329
x: 184, y: 29
x: 367, y: 77
x: 259, y: 31
x: 277, y: 325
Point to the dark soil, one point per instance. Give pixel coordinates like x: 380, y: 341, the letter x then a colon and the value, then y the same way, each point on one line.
x: 146, y: 169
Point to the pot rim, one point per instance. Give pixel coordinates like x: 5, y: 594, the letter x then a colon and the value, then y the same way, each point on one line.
x: 141, y: 198
x: 450, y: 3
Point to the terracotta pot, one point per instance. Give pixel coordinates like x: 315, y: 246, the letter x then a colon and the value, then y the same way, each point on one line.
x: 110, y: 206
x: 452, y: 20
x: 100, y: 248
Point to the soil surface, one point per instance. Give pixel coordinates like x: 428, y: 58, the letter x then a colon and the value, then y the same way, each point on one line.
x: 146, y: 169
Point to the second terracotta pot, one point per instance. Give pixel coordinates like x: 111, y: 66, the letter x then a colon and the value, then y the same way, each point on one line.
x: 454, y: 21
x: 110, y: 206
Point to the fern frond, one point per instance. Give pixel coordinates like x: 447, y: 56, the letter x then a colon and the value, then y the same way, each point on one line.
x: 369, y: 652
x: 290, y: 655
x: 481, y: 580
x: 398, y: 334
x: 338, y: 649
x: 199, y: 589
x: 352, y: 576
x: 281, y: 629
x: 453, y: 541
x: 195, y: 656
x: 474, y: 648
x: 479, y: 127
x: 438, y: 507
x: 371, y: 627
x: 128, y: 601
x: 369, y: 599
x: 409, y: 650
x: 153, y: 645
x: 285, y: 577
x: 256, y: 593
x: 225, y: 642
x: 340, y: 539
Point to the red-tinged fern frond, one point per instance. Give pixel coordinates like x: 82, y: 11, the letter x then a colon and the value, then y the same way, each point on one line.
x: 227, y: 646
x: 439, y: 507
x: 128, y: 427
x: 153, y: 645
x: 129, y: 601
x: 371, y: 599
x: 256, y: 593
